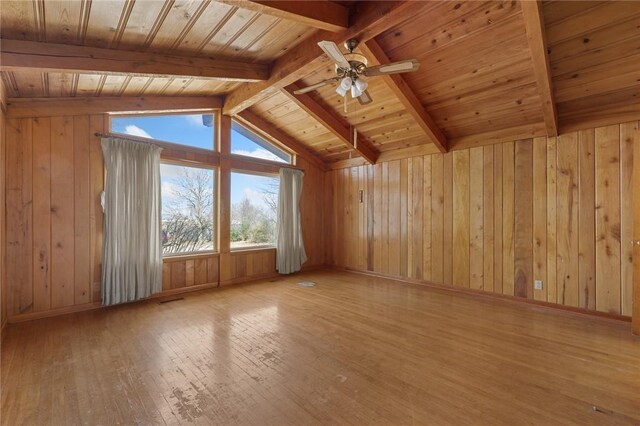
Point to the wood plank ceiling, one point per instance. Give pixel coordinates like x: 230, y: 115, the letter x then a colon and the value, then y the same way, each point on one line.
x: 479, y: 73
x: 190, y: 28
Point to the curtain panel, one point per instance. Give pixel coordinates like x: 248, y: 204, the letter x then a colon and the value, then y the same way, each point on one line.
x: 290, y: 254
x: 132, y: 252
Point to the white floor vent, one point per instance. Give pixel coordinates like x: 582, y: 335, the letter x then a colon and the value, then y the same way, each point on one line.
x: 306, y: 284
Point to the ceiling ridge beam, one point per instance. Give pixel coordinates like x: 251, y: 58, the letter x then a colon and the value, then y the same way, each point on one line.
x: 324, y: 15
x: 264, y: 128
x: 47, y: 107
x: 21, y: 54
x: 376, y: 56
x: 333, y: 123
x: 370, y: 19
x: 534, y: 26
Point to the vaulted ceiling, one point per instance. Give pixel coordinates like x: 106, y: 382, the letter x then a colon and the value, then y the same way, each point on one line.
x: 488, y: 70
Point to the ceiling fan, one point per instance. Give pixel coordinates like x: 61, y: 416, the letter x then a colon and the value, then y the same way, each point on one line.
x: 351, y: 66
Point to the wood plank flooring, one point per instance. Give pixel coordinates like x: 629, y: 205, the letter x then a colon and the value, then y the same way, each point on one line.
x: 351, y: 350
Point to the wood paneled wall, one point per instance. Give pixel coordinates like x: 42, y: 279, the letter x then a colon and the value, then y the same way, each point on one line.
x: 497, y: 217
x: 3, y: 227
x: 54, y: 228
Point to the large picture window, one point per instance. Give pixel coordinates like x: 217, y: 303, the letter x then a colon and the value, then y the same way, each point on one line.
x: 247, y: 143
x: 254, y: 209
x: 194, y: 130
x: 188, y: 209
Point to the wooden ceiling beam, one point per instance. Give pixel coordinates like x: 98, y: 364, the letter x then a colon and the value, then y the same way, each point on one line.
x: 376, y: 56
x: 385, y: 156
x: 46, y: 107
x: 534, y: 26
x: 493, y: 137
x: 20, y: 54
x: 268, y: 130
x: 324, y: 15
x: 334, y: 123
x: 370, y: 19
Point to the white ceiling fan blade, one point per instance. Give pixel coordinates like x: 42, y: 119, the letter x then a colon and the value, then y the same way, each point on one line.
x: 334, y: 53
x: 365, y: 98
x: 393, y: 68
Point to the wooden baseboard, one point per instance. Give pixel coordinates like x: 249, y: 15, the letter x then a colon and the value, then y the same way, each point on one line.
x: 248, y: 279
x: 97, y: 305
x: 480, y: 293
x: 172, y: 292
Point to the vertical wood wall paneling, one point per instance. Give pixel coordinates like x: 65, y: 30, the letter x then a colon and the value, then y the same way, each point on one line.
x: 3, y: 236
x: 427, y: 200
x: 42, y: 214
x: 607, y: 147
x: 567, y: 219
x: 82, y: 202
x: 447, y: 253
x: 395, y: 211
x: 408, y: 225
x: 62, y: 212
x: 523, y: 219
x: 540, y: 216
x: 635, y: 203
x: 377, y: 216
x: 417, y: 210
x: 629, y: 137
x: 488, y: 219
x: 497, y: 222
x: 587, y: 223
x: 461, y: 218
x: 404, y: 216
x: 552, y: 218
x: 371, y: 202
x: 499, y: 217
x: 508, y: 219
x: 19, y: 216
x: 437, y: 218
x: 476, y: 218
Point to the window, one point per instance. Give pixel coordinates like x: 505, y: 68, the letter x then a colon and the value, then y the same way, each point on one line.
x: 195, y: 130
x: 254, y: 207
x: 188, y: 209
x: 245, y: 142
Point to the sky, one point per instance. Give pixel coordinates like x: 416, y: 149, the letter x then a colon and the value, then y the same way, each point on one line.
x: 189, y: 130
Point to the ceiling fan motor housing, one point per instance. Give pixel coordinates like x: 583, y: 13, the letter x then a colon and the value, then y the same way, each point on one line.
x: 358, y: 64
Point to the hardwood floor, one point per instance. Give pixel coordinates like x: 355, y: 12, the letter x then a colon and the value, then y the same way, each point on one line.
x: 351, y: 350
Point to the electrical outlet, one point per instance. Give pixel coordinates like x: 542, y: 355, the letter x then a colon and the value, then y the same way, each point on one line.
x: 537, y: 284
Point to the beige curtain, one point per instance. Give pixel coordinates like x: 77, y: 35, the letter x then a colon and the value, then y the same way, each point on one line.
x: 290, y: 253
x: 132, y: 254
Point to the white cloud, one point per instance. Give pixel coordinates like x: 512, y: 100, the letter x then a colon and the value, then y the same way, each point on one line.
x: 134, y: 130
x: 169, y: 191
x: 252, y: 194
x: 195, y: 120
x: 258, y: 153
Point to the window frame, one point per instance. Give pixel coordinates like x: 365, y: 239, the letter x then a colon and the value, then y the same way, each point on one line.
x: 216, y: 214
x: 254, y: 173
x: 267, y: 138
x: 215, y: 147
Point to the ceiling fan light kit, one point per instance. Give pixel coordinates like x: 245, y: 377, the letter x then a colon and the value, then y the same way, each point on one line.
x: 351, y: 66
